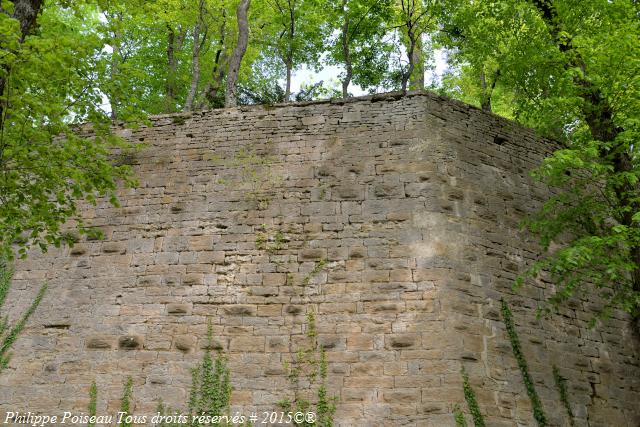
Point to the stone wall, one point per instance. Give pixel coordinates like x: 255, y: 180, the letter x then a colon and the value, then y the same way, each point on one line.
x: 393, y: 219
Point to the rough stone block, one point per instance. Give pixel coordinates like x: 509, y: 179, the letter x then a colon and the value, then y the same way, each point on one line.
x: 114, y: 248
x: 239, y: 310
x: 100, y: 342
x: 313, y: 254
x: 313, y: 120
x: 184, y: 343
x: 130, y: 342
x: 178, y: 309
x: 399, y: 341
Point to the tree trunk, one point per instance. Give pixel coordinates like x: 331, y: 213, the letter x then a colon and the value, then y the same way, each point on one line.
x: 195, y: 58
x: 487, y: 90
x: 410, y: 54
x: 115, y: 68
x: 213, y: 92
x: 26, y: 13
x: 288, y: 62
x: 417, y: 75
x: 238, y: 53
x: 174, y: 43
x: 170, y: 87
x: 346, y: 51
x: 287, y: 91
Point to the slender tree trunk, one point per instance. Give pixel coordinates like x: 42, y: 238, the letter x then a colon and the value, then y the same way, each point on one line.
x: 26, y: 13
x: 213, y: 92
x: 170, y: 88
x: 238, y: 53
x: 287, y: 90
x: 289, y: 59
x: 485, y: 100
x: 116, y: 60
x: 487, y: 90
x: 407, y: 75
x: 346, y: 51
x: 174, y: 44
x: 417, y: 75
x: 195, y: 58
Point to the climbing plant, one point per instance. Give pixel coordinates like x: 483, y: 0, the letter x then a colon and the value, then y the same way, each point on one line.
x: 93, y: 404
x: 561, y: 385
x: 9, y: 334
x: 210, y: 385
x: 459, y: 416
x: 125, y: 403
x: 308, y: 370
x: 472, y: 402
x: 536, y: 404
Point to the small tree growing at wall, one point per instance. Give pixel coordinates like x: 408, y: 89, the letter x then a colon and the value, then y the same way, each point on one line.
x: 9, y: 334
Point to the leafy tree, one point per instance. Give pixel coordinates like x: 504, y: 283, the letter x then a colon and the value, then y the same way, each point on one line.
x: 238, y: 53
x: 296, y: 34
x: 48, y: 86
x: 479, y: 37
x: 415, y: 18
x: 359, y: 40
x: 570, y: 70
x: 590, y: 78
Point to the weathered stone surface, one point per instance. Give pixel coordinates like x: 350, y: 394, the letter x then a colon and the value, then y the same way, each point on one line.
x: 178, y: 309
x: 393, y: 219
x: 184, y: 343
x: 130, y: 342
x: 114, y: 247
x: 100, y: 342
x: 238, y: 310
x: 313, y: 120
x: 78, y: 250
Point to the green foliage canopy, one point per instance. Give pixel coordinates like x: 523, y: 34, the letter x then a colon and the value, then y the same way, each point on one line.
x: 50, y: 86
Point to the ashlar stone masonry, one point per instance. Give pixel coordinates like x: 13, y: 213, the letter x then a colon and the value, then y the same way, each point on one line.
x: 394, y: 219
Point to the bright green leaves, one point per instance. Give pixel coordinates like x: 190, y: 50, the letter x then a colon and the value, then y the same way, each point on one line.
x: 46, y: 166
x: 585, y: 229
x: 570, y: 70
x: 357, y: 39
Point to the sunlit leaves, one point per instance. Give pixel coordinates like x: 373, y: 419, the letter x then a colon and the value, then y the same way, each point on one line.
x: 46, y: 167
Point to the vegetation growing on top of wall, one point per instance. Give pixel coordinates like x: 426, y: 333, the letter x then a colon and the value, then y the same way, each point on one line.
x: 536, y: 404
x: 9, y: 334
x: 308, y: 370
